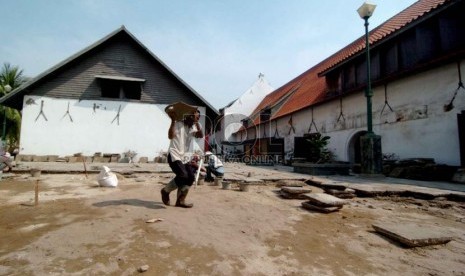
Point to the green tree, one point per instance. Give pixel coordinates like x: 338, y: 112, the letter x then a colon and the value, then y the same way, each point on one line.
x: 317, y: 146
x: 11, y: 77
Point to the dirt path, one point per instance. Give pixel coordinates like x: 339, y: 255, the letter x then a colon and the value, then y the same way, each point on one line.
x: 81, y: 229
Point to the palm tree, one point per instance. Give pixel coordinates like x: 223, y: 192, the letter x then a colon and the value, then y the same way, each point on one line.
x: 11, y: 77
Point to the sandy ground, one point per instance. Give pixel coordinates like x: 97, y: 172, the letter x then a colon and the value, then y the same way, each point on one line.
x: 79, y: 228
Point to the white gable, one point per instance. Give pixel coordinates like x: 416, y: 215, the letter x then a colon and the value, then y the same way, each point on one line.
x: 247, y: 103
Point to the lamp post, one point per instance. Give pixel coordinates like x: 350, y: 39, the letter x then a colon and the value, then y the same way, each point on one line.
x: 7, y: 89
x: 370, y: 143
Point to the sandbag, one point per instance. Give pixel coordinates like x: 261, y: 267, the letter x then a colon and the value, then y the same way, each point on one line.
x: 106, y: 178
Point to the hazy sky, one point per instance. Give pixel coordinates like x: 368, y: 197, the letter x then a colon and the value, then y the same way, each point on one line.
x: 217, y: 46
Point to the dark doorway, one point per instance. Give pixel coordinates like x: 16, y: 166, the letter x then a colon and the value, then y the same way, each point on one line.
x: 355, y: 153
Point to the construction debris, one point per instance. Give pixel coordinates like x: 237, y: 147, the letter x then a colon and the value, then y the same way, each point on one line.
x: 154, y: 220
x: 143, y: 268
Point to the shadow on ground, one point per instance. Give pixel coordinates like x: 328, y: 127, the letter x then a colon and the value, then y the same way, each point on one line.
x: 132, y: 202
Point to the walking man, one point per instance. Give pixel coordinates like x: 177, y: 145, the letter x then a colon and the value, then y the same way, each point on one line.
x: 181, y: 134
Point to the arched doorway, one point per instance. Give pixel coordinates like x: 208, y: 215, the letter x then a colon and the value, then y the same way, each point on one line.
x: 355, y: 152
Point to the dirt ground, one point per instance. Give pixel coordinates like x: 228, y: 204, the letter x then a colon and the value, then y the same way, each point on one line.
x: 79, y: 228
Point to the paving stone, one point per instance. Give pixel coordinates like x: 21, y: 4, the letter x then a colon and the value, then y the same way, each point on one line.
x: 287, y: 195
x: 341, y: 194
x: 413, y: 235
x: 296, y: 190
x: 290, y: 183
x: 324, y: 200
x: 309, y: 206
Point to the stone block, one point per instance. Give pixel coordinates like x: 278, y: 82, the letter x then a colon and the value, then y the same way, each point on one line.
x: 296, y: 190
x: 290, y: 183
x: 324, y: 200
x: 287, y: 195
x: 413, y: 235
x: 312, y: 207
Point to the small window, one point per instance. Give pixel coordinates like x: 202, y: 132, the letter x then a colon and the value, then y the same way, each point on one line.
x: 120, y: 87
x: 265, y: 115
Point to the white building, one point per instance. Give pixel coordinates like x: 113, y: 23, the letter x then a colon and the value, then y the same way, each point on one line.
x: 108, y: 98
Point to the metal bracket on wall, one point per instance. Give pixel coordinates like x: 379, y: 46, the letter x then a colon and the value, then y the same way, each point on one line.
x: 41, y: 111
x: 386, y: 103
x: 450, y: 105
x: 69, y: 115
x: 292, y: 126
x: 117, y: 116
x: 341, y: 115
x: 276, y: 133
x: 312, y: 123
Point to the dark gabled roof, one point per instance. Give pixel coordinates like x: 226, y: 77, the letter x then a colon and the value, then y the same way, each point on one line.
x: 18, y: 92
x: 309, y: 88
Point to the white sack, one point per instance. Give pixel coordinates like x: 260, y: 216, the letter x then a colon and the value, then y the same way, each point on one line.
x: 106, y: 178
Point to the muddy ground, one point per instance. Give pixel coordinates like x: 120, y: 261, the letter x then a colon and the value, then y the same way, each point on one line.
x: 79, y: 228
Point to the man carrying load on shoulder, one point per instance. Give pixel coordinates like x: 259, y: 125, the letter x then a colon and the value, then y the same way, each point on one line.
x: 181, y: 134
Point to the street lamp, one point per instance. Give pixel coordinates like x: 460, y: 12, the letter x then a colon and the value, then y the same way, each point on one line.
x: 7, y: 89
x: 370, y: 143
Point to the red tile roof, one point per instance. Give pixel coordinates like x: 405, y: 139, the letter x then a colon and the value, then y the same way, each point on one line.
x: 309, y: 88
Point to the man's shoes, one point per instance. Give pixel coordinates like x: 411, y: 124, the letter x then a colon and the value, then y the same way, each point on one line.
x: 181, y: 201
x: 165, y: 197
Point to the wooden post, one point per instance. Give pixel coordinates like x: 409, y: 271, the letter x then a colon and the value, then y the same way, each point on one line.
x: 36, y: 201
x: 84, y: 162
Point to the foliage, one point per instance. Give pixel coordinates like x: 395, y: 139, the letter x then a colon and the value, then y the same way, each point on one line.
x: 12, y: 76
x: 319, y: 153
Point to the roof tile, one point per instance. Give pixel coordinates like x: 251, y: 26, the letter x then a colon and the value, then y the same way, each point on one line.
x: 308, y: 88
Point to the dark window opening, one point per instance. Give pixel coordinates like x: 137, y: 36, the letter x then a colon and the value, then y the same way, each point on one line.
x: 118, y: 89
x: 265, y: 115
x: 333, y: 83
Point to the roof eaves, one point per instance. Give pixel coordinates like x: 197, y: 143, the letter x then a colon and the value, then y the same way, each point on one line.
x: 89, y: 48
x: 60, y: 64
x: 173, y: 73
x: 376, y: 37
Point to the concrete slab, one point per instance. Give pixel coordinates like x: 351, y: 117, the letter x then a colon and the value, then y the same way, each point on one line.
x: 287, y: 195
x: 341, y: 194
x: 413, y: 235
x: 296, y: 190
x: 310, y: 206
x: 324, y: 200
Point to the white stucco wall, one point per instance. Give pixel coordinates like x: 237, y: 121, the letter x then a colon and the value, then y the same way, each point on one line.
x: 142, y: 128
x: 418, y: 126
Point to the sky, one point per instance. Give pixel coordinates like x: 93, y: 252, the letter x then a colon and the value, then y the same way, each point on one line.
x: 218, y: 47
